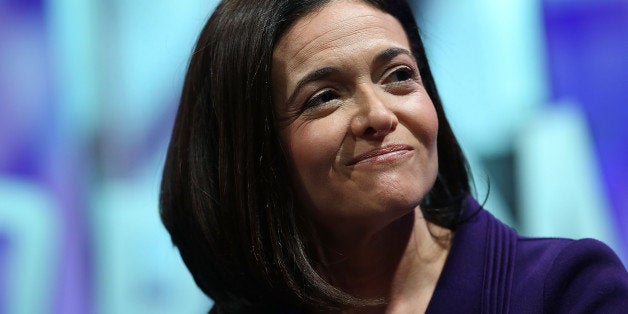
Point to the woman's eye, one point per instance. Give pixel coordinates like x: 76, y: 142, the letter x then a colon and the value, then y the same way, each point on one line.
x: 401, y: 74
x: 321, y: 98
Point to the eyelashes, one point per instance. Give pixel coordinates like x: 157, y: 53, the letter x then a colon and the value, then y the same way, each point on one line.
x: 397, y: 81
x: 321, y: 98
x: 401, y: 74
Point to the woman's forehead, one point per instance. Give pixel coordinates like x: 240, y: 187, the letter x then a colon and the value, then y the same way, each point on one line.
x: 340, y: 28
x: 338, y: 23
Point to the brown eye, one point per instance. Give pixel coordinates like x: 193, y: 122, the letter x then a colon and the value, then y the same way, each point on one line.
x: 400, y: 75
x: 321, y: 98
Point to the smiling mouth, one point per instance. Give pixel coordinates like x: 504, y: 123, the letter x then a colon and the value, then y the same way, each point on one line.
x: 386, y: 153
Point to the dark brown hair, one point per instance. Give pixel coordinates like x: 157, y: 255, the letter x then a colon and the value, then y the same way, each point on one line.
x: 226, y: 195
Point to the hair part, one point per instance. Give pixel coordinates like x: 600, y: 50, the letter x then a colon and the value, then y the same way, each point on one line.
x: 226, y: 197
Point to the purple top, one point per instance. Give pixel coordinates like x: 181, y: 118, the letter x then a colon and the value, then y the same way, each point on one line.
x: 491, y: 269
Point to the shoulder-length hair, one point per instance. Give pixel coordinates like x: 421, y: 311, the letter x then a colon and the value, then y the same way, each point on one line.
x: 226, y: 195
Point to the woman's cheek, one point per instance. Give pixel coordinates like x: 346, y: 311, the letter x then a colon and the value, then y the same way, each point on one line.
x: 313, y: 147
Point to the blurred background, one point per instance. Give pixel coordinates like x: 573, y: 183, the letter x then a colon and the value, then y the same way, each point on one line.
x: 536, y: 90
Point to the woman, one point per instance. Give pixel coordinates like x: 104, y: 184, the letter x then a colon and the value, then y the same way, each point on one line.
x: 312, y: 169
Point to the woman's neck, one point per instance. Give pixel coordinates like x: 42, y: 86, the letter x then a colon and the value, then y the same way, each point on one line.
x: 400, y: 263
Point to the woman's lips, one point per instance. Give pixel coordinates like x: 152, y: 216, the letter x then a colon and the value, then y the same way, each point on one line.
x: 383, y: 154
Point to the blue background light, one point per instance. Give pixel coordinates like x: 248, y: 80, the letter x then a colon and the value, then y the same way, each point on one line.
x: 535, y: 90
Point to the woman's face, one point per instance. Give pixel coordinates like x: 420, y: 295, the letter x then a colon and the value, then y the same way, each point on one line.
x: 359, y: 126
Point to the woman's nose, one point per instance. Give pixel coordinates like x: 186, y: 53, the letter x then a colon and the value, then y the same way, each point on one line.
x: 374, y: 119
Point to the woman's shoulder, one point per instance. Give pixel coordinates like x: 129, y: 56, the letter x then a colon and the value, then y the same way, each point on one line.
x: 555, y: 257
x: 570, y: 275
x: 535, y: 275
x: 586, y: 276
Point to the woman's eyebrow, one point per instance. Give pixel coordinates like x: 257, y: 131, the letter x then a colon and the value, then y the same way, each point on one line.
x: 319, y: 74
x: 311, y: 77
x: 390, y: 53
